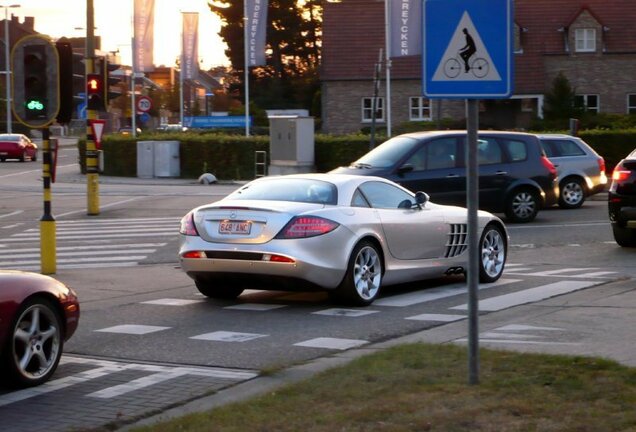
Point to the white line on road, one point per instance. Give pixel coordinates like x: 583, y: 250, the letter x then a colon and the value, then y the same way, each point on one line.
x: 17, y: 212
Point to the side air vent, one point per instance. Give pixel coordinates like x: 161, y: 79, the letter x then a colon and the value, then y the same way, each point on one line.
x: 457, y: 240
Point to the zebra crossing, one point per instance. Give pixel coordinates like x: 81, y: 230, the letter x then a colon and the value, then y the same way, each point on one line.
x: 88, y: 243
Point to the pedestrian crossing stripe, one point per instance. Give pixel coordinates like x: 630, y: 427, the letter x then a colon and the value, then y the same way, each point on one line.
x: 458, y: 40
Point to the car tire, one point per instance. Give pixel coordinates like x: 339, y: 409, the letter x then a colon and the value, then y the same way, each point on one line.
x: 218, y: 290
x: 572, y: 193
x: 493, y: 254
x: 35, y: 157
x: 35, y: 344
x: 522, y: 206
x: 23, y: 157
x: 362, y: 281
x: 625, y: 237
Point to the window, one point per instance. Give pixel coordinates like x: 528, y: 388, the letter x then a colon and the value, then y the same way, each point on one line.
x: 383, y: 195
x: 367, y: 109
x: 631, y: 103
x: 516, y: 149
x: 588, y: 102
x: 419, y: 108
x: 585, y: 40
x: 488, y: 151
x: 437, y: 154
x: 517, y: 36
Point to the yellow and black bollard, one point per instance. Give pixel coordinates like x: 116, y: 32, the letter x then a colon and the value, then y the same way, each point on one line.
x: 47, y: 223
x: 92, y: 169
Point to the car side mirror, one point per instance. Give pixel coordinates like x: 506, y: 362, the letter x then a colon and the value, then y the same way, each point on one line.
x: 421, y: 198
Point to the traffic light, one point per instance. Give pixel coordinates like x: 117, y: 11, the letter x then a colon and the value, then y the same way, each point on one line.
x: 35, y: 82
x: 95, y: 91
x: 65, y: 55
x: 113, y: 89
x: 35, y: 67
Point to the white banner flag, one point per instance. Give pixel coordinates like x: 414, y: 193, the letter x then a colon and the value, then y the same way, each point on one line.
x: 256, y: 32
x: 144, y: 20
x: 406, y: 27
x: 190, y: 45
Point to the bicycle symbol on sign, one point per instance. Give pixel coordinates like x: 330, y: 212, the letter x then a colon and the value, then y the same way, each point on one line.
x: 476, y: 65
x: 479, y: 67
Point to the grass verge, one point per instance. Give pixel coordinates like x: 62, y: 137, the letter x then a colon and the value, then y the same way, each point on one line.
x: 423, y: 387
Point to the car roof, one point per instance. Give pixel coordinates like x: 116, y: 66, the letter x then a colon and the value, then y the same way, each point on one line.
x: 436, y: 133
x: 554, y: 135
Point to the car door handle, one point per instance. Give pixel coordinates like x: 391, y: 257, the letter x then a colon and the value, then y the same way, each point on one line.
x: 452, y: 176
x: 501, y: 173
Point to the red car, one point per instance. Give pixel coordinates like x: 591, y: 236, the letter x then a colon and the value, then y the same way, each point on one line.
x: 17, y: 146
x: 37, y: 315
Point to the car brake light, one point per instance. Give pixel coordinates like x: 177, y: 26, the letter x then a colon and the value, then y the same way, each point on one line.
x: 187, y: 225
x: 194, y: 254
x: 601, y: 164
x: 277, y: 258
x: 620, y: 174
x: 307, y: 226
x: 549, y: 165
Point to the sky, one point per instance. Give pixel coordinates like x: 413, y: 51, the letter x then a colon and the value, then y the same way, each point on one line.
x: 113, y: 22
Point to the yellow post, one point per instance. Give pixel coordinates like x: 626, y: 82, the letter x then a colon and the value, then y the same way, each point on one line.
x: 47, y: 223
x: 92, y: 162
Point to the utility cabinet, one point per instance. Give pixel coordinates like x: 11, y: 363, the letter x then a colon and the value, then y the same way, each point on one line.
x: 291, y: 145
x: 158, y: 159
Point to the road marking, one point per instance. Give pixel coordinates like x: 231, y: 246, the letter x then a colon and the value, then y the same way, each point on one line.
x: 228, y: 336
x: 102, y: 206
x: 106, y: 367
x: 437, y: 317
x: 172, y: 302
x: 331, y: 343
x: 132, y: 329
x: 255, y: 307
x: 531, y: 295
x: 17, y: 212
x: 432, y: 294
x: 345, y: 312
x: 522, y: 327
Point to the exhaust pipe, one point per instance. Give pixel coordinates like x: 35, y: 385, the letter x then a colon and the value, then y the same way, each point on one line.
x: 454, y: 271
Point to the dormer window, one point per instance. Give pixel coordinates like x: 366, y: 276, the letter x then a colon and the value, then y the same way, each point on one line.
x: 585, y: 39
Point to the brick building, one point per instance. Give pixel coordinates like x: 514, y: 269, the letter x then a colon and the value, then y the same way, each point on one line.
x: 592, y: 42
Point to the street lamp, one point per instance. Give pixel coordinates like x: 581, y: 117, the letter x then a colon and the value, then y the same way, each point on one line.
x: 7, y: 68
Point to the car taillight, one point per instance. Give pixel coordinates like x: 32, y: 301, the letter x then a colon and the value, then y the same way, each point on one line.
x: 187, y: 225
x: 549, y: 165
x: 601, y: 164
x: 620, y: 174
x: 194, y: 255
x: 307, y: 226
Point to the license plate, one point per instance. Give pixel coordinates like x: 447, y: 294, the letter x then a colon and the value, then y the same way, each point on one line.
x: 235, y: 227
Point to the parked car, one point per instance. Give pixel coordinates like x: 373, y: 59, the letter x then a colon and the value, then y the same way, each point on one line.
x: 37, y: 315
x: 349, y: 235
x: 171, y: 128
x: 580, y: 169
x: 622, y: 201
x: 128, y: 130
x: 17, y: 146
x: 515, y: 176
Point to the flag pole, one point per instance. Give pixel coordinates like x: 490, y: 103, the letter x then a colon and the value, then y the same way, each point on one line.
x: 247, y: 73
x: 387, y: 50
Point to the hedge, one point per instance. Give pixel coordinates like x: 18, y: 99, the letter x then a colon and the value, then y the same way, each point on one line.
x: 232, y: 157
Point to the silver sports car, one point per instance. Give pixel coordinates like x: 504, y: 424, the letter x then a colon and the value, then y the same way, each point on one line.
x: 348, y: 234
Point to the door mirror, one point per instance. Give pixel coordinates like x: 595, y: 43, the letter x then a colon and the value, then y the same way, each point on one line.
x: 421, y: 198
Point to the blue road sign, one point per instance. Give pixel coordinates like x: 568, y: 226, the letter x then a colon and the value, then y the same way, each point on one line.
x: 468, y: 49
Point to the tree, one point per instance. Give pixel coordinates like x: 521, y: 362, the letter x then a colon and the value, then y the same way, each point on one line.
x: 290, y: 79
x: 561, y: 101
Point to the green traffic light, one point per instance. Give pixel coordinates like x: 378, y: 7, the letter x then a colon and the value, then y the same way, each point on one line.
x: 35, y: 105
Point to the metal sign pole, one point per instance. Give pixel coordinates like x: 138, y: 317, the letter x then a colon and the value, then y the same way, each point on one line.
x: 472, y: 198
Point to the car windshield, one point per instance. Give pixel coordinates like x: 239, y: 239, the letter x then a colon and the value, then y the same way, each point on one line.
x: 387, y: 154
x: 9, y: 137
x: 287, y: 189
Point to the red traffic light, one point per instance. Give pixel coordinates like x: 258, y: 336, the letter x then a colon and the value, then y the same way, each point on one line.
x: 94, y: 84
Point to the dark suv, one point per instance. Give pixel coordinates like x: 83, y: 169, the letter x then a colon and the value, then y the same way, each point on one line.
x: 622, y: 201
x: 515, y: 176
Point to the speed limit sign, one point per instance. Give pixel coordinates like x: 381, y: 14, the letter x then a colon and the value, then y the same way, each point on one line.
x: 144, y: 103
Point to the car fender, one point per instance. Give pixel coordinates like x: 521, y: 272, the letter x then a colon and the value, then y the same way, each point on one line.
x: 525, y: 183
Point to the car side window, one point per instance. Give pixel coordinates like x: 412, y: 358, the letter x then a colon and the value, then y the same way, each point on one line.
x: 516, y: 149
x: 489, y: 151
x: 435, y: 154
x: 383, y: 195
x: 359, y: 200
x: 566, y: 148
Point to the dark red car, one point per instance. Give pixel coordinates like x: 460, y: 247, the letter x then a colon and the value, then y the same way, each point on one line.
x: 622, y: 201
x: 37, y: 315
x: 17, y: 146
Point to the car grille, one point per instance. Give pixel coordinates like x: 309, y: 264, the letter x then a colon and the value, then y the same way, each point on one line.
x: 457, y: 238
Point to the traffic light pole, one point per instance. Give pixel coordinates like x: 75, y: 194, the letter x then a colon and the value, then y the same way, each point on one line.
x: 47, y: 223
x: 92, y: 171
